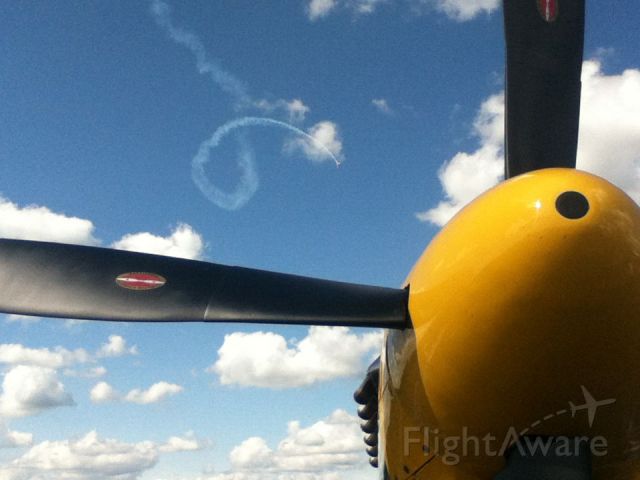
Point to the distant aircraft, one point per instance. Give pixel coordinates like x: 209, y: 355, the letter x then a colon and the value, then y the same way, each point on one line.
x: 530, y: 292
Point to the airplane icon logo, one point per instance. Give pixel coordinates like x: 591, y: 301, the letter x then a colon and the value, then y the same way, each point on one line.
x: 590, y: 405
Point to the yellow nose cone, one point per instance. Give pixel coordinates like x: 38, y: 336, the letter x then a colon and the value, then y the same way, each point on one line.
x: 529, y: 297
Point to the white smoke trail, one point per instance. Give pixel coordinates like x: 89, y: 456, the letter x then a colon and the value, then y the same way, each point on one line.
x: 226, y: 81
x: 249, y: 181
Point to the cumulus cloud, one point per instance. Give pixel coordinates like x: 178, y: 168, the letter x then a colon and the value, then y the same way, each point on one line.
x: 382, y: 105
x: 102, y: 392
x: 463, y: 10
x: 29, y: 390
x: 94, y: 372
x: 24, y: 319
x: 609, y: 142
x: 335, y: 441
x: 320, y: 451
x: 251, y: 453
x: 295, y: 109
x: 324, y: 138
x: 35, y: 222
x: 364, y: 6
x: 16, y: 354
x: 89, y: 457
x: 183, y: 242
x: 154, y: 394
x: 39, y: 223
x: 320, y: 8
x: 266, y: 359
x: 13, y: 439
x: 467, y: 175
x: 59, y: 357
x: 188, y: 443
x: 92, y: 457
x: 458, y: 10
x: 317, y: 9
x: 116, y: 346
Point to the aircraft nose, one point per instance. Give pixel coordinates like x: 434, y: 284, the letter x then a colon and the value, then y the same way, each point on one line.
x: 528, y: 294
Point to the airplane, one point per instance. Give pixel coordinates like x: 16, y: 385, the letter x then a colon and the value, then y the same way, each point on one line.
x: 529, y: 293
x: 590, y: 405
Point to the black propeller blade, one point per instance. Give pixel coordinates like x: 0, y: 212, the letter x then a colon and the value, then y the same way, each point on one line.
x: 544, y: 41
x: 57, y: 280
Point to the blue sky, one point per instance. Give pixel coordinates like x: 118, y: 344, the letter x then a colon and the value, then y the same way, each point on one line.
x: 102, y: 111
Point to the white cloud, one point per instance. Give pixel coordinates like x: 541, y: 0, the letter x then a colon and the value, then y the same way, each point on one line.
x: 335, y: 441
x: 295, y: 109
x: 28, y: 390
x: 609, y: 143
x: 252, y: 453
x: 24, y: 319
x: 183, y: 242
x: 93, y: 458
x: 324, y: 450
x: 102, y: 392
x: 467, y: 175
x: 72, y: 323
x: 39, y: 223
x: 365, y: 6
x: 94, y: 372
x: 116, y: 346
x: 382, y: 105
x: 458, y: 10
x: 87, y: 458
x: 16, y: 354
x: 188, y: 443
x: 320, y: 8
x: 352, y: 474
x: 59, y: 357
x: 13, y: 439
x: 156, y: 393
x: 34, y: 222
x: 325, y: 138
x: 462, y: 10
x: 317, y: 9
x: 265, y: 359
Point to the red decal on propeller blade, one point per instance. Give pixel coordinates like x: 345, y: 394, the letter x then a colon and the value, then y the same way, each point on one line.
x: 548, y: 9
x: 140, y: 281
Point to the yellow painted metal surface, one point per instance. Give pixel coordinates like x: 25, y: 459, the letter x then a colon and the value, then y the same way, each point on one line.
x: 517, y: 311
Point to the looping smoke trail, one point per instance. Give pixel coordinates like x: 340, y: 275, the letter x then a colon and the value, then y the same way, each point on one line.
x: 248, y: 184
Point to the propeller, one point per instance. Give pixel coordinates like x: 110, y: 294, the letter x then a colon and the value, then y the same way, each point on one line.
x: 59, y: 280
x: 544, y: 40
x: 544, y: 56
